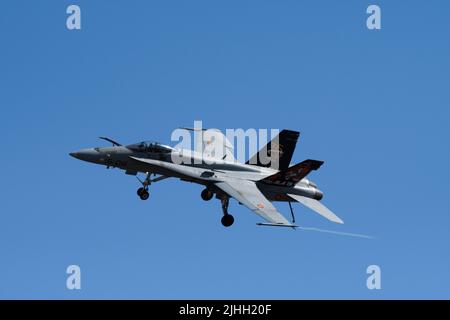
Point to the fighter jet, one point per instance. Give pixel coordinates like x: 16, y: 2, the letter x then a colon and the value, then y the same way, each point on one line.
x: 254, y: 184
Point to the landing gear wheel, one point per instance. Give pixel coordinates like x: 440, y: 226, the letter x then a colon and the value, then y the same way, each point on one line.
x: 144, y: 195
x: 207, y: 195
x: 140, y: 191
x: 227, y: 220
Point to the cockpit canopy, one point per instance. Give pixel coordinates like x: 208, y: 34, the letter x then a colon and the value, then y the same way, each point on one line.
x: 150, y: 146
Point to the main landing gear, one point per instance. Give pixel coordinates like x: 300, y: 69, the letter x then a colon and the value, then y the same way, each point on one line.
x: 227, y: 219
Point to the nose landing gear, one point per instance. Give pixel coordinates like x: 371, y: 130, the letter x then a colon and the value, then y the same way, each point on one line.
x: 143, y: 193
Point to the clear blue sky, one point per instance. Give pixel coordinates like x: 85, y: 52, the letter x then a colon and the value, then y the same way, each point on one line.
x: 374, y: 105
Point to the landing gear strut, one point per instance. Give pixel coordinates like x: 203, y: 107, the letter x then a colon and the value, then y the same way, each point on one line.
x: 227, y: 219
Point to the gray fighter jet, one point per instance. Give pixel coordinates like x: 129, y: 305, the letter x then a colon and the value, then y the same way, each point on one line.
x: 255, y: 184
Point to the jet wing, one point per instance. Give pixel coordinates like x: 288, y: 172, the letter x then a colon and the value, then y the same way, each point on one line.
x: 247, y: 193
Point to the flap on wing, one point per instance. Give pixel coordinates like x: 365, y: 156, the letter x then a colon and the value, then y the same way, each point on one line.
x: 294, y: 174
x: 247, y: 193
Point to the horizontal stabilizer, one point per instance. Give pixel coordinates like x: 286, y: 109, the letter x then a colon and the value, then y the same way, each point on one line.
x: 294, y: 174
x: 317, y: 207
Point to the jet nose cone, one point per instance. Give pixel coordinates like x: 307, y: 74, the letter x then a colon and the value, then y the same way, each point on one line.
x: 90, y: 155
x: 74, y: 154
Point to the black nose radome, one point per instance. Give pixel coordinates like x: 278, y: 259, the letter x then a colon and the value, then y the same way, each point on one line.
x: 74, y: 154
x: 90, y: 155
